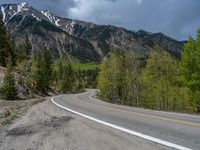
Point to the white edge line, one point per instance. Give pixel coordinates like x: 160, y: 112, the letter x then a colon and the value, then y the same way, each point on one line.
x: 143, y: 136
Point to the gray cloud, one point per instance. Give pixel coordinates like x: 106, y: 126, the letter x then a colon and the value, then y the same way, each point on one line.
x: 176, y: 18
x: 60, y: 7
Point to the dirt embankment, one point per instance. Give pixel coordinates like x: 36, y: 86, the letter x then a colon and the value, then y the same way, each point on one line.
x: 11, y: 110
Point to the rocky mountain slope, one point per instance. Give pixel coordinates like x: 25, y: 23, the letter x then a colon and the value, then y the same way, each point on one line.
x: 83, y: 40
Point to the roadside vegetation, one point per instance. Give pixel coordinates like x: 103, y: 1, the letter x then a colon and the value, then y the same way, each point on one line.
x: 40, y: 72
x: 158, y: 82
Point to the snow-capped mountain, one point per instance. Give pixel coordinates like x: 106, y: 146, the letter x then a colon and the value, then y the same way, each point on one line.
x: 83, y: 40
x: 9, y: 11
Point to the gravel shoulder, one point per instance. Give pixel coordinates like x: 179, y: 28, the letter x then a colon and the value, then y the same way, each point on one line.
x: 47, y: 127
x: 12, y: 110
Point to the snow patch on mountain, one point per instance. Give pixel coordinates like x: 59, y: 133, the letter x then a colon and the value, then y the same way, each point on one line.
x: 22, y: 7
x: 72, y: 24
x: 52, y: 18
x: 57, y: 22
x: 3, y: 12
x: 71, y: 28
x: 46, y: 13
x: 9, y: 11
x: 38, y: 19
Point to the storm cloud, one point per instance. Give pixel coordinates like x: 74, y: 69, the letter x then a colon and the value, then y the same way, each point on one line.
x: 176, y: 18
x: 60, y: 7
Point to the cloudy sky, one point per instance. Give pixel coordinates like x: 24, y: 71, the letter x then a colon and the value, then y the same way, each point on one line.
x: 176, y: 18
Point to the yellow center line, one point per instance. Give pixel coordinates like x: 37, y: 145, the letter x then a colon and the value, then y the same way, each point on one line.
x: 76, y: 97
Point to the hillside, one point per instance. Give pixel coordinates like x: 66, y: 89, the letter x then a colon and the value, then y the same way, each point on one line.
x: 83, y: 40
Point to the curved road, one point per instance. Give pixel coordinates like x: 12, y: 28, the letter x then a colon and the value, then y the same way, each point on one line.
x: 179, y: 129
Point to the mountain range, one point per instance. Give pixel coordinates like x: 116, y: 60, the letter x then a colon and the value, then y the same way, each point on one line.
x: 83, y: 40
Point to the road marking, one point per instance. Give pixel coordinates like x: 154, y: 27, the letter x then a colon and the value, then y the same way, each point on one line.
x: 146, y: 137
x: 172, y: 113
x: 147, y: 115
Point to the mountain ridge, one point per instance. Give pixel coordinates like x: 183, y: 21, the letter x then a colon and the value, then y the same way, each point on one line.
x: 83, y: 40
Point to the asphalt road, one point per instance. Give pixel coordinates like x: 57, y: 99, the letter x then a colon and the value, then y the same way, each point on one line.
x: 180, y: 129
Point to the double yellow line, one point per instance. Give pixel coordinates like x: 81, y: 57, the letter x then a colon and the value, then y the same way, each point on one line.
x: 77, y: 97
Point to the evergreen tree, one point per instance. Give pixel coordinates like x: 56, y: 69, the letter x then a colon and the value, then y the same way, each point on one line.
x: 47, y: 65
x: 41, y: 70
x: 24, y: 71
x: 5, y: 47
x: 24, y: 51
x: 13, y: 50
x: 191, y: 69
x: 67, y: 78
x: 37, y: 73
x: 9, y: 89
x: 27, y: 45
x: 21, y: 54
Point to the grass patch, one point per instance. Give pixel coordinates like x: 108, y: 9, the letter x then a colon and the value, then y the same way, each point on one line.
x: 85, y: 66
x: 77, y: 65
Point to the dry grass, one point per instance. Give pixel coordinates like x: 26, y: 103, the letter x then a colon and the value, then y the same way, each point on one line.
x: 11, y: 110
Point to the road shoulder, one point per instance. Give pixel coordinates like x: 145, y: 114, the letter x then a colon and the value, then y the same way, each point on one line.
x: 47, y: 127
